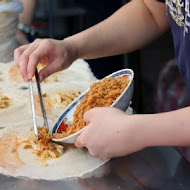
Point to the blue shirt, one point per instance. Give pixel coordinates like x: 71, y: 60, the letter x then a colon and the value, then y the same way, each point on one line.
x: 179, y: 17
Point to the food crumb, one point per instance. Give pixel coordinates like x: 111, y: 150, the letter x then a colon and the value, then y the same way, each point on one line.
x: 73, y: 146
x: 13, y: 150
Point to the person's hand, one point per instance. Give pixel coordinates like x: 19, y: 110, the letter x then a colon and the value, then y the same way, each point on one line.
x: 56, y: 54
x: 21, y: 38
x: 110, y: 133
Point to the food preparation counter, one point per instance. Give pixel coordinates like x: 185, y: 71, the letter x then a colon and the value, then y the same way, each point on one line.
x: 157, y: 168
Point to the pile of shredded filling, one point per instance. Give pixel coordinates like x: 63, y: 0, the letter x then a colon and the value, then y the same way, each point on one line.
x: 44, y: 148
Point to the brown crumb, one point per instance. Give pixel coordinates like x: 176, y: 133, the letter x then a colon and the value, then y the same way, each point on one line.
x: 73, y: 146
x: 4, y: 101
x: 27, y: 146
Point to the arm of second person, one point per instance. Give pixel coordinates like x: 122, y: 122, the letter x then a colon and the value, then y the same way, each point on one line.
x: 132, y: 27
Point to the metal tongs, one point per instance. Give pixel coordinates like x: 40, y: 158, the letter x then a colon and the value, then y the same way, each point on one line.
x: 41, y: 104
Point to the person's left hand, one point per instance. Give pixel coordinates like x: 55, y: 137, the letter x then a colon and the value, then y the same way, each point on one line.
x: 110, y: 133
x: 21, y: 38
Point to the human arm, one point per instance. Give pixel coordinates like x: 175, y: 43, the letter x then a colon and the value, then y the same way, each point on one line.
x: 112, y: 133
x: 131, y: 27
x: 25, y: 17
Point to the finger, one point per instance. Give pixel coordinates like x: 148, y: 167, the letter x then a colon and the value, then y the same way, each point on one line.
x: 79, y: 143
x: 18, y: 52
x: 83, y: 139
x: 35, y: 58
x: 92, y: 153
x: 88, y: 115
x: 24, y: 59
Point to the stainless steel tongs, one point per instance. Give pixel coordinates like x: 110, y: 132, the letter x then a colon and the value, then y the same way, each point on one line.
x: 41, y: 104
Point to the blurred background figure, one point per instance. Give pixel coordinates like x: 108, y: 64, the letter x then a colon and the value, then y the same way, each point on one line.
x: 14, y: 28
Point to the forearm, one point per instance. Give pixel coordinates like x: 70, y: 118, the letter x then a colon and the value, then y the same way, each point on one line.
x: 120, y: 33
x: 26, y: 16
x: 165, y: 129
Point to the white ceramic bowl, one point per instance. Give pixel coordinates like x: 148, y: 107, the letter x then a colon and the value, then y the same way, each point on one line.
x: 121, y: 103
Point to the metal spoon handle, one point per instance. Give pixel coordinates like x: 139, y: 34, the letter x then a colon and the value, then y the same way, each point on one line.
x: 41, y: 100
x: 33, y: 109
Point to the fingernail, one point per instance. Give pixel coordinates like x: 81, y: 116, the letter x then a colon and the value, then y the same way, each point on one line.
x: 26, y: 79
x: 30, y: 76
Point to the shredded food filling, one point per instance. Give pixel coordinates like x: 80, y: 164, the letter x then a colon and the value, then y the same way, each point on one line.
x: 64, y: 98
x: 44, y: 148
x: 4, y: 101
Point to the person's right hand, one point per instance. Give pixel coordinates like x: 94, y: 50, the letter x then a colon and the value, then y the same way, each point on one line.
x: 56, y: 54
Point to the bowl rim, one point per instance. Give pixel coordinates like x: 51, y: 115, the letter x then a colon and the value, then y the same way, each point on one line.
x: 78, y: 132
x: 126, y: 88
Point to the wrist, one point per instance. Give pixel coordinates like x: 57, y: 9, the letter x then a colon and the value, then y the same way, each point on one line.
x: 21, y: 38
x: 20, y: 32
x: 72, y: 48
x: 26, y: 30
x: 80, y: 44
x: 137, y: 131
